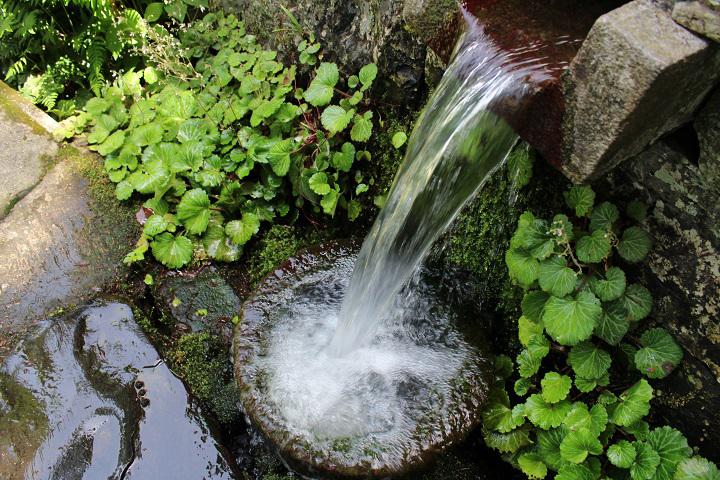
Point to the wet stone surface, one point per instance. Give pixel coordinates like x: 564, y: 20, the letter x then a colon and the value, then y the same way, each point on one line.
x: 87, y: 397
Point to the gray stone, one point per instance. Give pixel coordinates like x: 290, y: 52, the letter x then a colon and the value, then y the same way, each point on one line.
x: 637, y: 76
x: 87, y: 397
x: 61, y: 242
x: 702, y: 17
x: 25, y: 149
x: 183, y: 296
x: 352, y: 33
x: 707, y: 126
x: 683, y: 273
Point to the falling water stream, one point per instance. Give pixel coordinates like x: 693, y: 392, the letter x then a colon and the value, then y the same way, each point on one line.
x: 457, y: 144
x: 358, y: 358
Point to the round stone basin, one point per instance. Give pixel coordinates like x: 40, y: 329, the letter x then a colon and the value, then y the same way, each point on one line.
x: 381, y: 410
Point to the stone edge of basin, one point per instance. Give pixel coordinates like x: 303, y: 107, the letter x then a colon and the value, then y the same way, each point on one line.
x: 13, y: 99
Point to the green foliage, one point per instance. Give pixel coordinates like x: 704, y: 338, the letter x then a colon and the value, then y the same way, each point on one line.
x: 233, y: 145
x: 57, y: 52
x: 576, y: 313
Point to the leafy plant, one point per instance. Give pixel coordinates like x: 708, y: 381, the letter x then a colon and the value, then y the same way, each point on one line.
x: 235, y: 144
x: 54, y: 51
x: 580, y: 399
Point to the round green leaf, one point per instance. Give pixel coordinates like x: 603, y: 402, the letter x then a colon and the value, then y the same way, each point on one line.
x: 319, y: 183
x: 172, y: 251
x: 634, y: 244
x: 361, y: 129
x: 155, y: 224
x: 622, y: 454
x: 555, y: 387
x: 580, y: 418
x: 335, y: 119
x: 672, y: 447
x: 660, y: 353
x: 194, y: 211
x: 123, y: 190
x: 646, y: 462
x: 532, y: 466
x: 571, y: 320
x: 507, y: 442
x: 543, y: 414
x: 321, y: 89
x: 613, y: 323
x: 528, y: 329
x: 593, y: 248
x: 555, y: 277
x: 634, y: 404
x: 548, y: 446
x: 153, y: 11
x: 533, y: 304
x: 611, y: 287
x: 399, y: 139
x: 581, y: 199
x: 603, y: 216
x: 577, y: 445
x: 367, y: 75
x: 589, y: 361
x: 522, y: 266
x: 697, y: 468
x: 637, y: 301
x: 219, y: 246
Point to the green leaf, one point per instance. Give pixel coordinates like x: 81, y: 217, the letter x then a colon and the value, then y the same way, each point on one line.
x: 343, y: 159
x: 96, y: 106
x: 593, y: 248
x: 353, y: 81
x: 367, y: 75
x: 399, y: 139
x: 637, y: 301
x: 319, y: 183
x: 634, y: 245
x: 570, y: 471
x: 636, y: 210
x: 507, y: 442
x: 589, y: 384
x: 155, y: 224
x: 498, y: 416
x: 218, y: 245
x: 634, y: 404
x: 697, y: 468
x: 532, y: 466
x: 622, y: 454
x: 522, y: 386
x: 149, y: 134
x: 546, y: 415
x: 172, y: 251
x: 646, y: 462
x: 555, y: 387
x: 123, y: 190
x: 577, y: 445
x: 603, y: 217
x: 611, y: 287
x: 589, y: 361
x: 279, y: 157
x: 533, y: 304
x: 194, y: 210
x: 640, y: 430
x: 613, y: 323
x: 534, y: 236
x: 111, y: 143
x: 503, y: 366
x: 320, y: 91
x: 571, y: 320
x: 240, y: 231
x: 519, y: 165
x: 522, y: 267
x: 361, y: 129
x: 672, y: 447
x: 528, y: 329
x: 660, y: 353
x: 580, y: 418
x: 335, y: 119
x: 555, y: 277
x: 329, y: 202
x: 580, y: 199
x: 548, y: 446
x: 150, y: 75
x: 153, y: 11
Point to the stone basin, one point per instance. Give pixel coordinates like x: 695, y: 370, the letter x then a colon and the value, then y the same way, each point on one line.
x: 431, y: 417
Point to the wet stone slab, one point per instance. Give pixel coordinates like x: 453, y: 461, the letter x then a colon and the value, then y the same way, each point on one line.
x: 88, y: 397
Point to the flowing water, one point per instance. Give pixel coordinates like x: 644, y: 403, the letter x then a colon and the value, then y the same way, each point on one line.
x: 457, y: 144
x: 338, y: 362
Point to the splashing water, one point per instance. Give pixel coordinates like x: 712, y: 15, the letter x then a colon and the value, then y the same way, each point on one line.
x: 457, y: 144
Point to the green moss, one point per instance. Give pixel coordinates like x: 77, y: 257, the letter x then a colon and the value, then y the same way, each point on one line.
x: 277, y: 245
x: 202, y: 362
x: 482, y: 232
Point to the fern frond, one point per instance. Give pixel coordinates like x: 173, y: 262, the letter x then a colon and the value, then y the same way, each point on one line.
x: 16, y: 68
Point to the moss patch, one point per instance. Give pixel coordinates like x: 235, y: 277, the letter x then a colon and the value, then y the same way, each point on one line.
x: 201, y: 360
